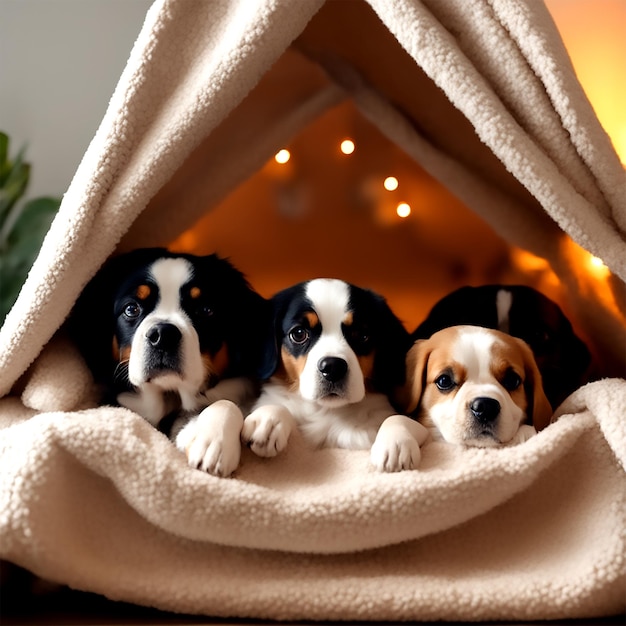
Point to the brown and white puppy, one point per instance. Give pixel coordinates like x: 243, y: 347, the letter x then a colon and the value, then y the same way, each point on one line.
x: 476, y: 387
x: 562, y: 358
x: 333, y: 355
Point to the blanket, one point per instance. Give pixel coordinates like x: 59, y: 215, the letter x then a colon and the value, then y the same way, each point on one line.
x: 93, y: 497
x: 101, y: 501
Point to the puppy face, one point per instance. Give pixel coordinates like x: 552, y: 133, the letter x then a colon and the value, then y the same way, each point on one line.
x: 164, y: 331
x: 174, y: 320
x: 475, y: 386
x: 333, y: 341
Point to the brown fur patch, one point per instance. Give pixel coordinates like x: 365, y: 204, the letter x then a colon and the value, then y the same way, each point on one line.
x: 121, y: 355
x: 366, y: 363
x: 195, y: 292
x: 293, y: 367
x: 143, y: 291
x: 216, y: 364
x: 312, y: 318
x: 505, y: 356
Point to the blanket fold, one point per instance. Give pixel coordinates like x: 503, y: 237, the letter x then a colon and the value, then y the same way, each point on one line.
x: 484, y: 97
x: 80, y: 489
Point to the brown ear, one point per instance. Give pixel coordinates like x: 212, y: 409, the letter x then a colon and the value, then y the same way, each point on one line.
x: 539, y: 409
x: 410, y: 394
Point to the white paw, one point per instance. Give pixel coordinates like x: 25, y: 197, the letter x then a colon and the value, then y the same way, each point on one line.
x: 212, y: 439
x: 266, y: 430
x: 524, y: 433
x: 395, y: 456
x: 397, y: 445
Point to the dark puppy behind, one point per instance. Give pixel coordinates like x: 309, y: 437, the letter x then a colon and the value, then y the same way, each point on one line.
x: 524, y: 312
x: 153, y: 324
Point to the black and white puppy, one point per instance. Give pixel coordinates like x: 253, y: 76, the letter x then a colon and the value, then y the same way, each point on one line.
x: 166, y: 333
x: 523, y: 312
x: 335, y: 354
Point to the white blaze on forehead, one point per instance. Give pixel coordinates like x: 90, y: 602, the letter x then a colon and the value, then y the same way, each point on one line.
x: 503, y: 306
x: 170, y: 275
x: 473, y: 350
x: 330, y: 298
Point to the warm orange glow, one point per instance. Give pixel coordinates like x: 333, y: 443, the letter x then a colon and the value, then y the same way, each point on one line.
x: 593, y: 32
x: 403, y: 210
x: 528, y: 262
x: 282, y: 156
x: 597, y: 266
x: 347, y: 146
x: 390, y: 183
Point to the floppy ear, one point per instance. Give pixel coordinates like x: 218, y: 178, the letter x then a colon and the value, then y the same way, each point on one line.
x: 409, y: 396
x: 392, y: 345
x: 90, y: 323
x: 539, y: 408
x: 271, y: 338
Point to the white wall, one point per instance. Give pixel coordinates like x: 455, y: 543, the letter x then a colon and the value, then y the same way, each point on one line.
x: 60, y: 61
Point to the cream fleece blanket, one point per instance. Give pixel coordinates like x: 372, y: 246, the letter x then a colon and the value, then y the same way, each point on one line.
x: 95, y: 498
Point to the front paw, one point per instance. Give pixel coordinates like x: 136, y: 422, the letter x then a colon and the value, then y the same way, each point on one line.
x: 397, y: 445
x: 266, y: 430
x: 212, y: 439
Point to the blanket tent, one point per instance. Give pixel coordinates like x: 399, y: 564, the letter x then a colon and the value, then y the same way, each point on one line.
x: 478, y: 102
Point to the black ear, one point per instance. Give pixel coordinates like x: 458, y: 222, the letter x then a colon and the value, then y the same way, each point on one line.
x: 272, y: 338
x: 251, y: 345
x: 245, y: 313
x: 392, y: 346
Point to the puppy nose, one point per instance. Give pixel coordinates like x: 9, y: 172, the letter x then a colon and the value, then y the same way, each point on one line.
x: 332, y: 368
x: 485, y: 410
x: 164, y: 336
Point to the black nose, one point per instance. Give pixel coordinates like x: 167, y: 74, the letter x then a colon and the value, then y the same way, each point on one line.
x: 333, y: 369
x: 164, y: 336
x: 485, y: 410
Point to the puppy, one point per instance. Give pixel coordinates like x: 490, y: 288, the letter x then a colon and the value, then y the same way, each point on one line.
x: 335, y: 353
x: 476, y: 387
x: 169, y: 334
x: 563, y: 359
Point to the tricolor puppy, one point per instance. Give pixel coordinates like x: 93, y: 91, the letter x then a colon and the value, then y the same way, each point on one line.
x: 476, y: 387
x: 562, y: 358
x: 334, y: 354
x: 166, y: 332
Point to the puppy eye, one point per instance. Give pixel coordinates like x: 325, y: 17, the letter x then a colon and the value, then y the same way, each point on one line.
x: 299, y: 335
x: 511, y: 380
x: 445, y: 383
x: 359, y: 338
x: 132, y: 310
x: 206, y: 311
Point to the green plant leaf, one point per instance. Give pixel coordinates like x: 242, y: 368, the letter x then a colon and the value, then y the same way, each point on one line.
x: 13, y: 187
x: 22, y: 246
x: 4, y: 154
x: 34, y: 221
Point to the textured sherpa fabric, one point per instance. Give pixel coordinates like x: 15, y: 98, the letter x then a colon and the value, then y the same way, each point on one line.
x: 101, y: 501
x: 487, y: 101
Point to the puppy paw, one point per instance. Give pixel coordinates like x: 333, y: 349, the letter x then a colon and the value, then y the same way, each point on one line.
x: 212, y: 439
x: 266, y: 430
x: 395, y: 456
x: 397, y: 445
